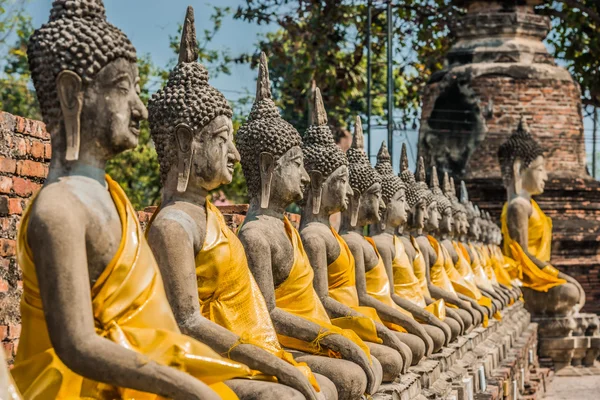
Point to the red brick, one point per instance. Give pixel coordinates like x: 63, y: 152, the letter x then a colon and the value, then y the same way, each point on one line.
x: 20, y: 124
x: 37, y: 149
x: 4, y: 286
x: 47, y: 151
x: 15, y: 206
x: 3, y: 332
x: 7, y: 247
x: 20, y: 147
x: 4, y: 264
x: 5, y: 184
x: 24, y: 187
x: 7, y: 165
x: 31, y: 168
x: 14, y: 331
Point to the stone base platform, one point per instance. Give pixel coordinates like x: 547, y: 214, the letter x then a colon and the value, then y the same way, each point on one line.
x: 494, y: 363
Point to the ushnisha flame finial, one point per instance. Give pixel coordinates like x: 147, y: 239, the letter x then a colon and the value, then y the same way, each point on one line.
x: 464, y: 195
x: 263, y: 85
x: 319, y: 113
x: 420, y: 172
x: 403, y: 159
x: 358, y: 141
x: 188, y: 49
x: 435, y: 182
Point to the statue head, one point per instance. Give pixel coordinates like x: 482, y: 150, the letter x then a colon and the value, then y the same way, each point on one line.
x: 270, y: 150
x: 392, y: 190
x: 444, y: 206
x: 365, y: 182
x: 85, y: 74
x: 326, y: 163
x: 474, y: 231
x: 433, y: 217
x: 459, y: 212
x: 522, y: 162
x: 191, y: 123
x: 416, y: 195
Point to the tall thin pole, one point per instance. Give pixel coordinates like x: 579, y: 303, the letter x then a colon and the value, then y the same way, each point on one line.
x: 595, y: 126
x: 390, y: 82
x: 369, y: 77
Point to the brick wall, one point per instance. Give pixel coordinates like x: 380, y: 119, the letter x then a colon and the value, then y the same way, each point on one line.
x: 24, y: 154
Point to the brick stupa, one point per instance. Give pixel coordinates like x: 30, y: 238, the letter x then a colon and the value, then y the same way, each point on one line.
x: 497, y: 71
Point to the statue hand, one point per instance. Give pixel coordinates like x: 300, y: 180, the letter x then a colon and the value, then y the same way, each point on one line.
x: 445, y: 328
x: 392, y: 341
x: 292, y: 377
x: 351, y: 352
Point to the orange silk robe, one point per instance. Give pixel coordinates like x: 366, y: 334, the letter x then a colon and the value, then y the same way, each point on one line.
x: 130, y: 309
x: 539, y: 245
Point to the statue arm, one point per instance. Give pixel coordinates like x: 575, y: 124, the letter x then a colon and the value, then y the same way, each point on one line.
x: 387, y: 254
x: 519, y: 212
x: 260, y: 261
x: 174, y: 250
x: 316, y: 250
x: 384, y: 311
x: 59, y: 251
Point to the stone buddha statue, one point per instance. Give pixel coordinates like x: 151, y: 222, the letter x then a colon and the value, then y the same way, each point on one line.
x: 8, y: 388
x: 332, y: 262
x: 372, y: 281
x: 528, y: 231
x: 223, y: 307
x: 272, y: 162
x: 465, y: 289
x: 471, y: 243
x: 428, y: 261
x: 407, y: 291
x: 96, y: 322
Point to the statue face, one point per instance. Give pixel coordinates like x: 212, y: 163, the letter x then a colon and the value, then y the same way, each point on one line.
x: 419, y: 214
x: 535, y: 176
x: 214, y: 154
x: 462, y: 224
x: 433, y: 217
x: 370, y: 202
x: 336, y: 191
x: 446, y: 222
x: 475, y: 229
x: 396, y: 211
x: 289, y: 177
x: 112, y: 110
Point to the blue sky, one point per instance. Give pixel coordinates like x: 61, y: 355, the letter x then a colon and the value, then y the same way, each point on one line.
x: 148, y: 24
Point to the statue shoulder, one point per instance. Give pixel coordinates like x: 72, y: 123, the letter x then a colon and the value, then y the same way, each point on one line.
x: 408, y: 247
x: 176, y: 224
x: 519, y: 206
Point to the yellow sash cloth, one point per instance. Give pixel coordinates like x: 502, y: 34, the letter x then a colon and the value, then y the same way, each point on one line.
x: 130, y: 308
x: 341, y: 276
x: 539, y: 232
x: 481, y: 276
x: 297, y: 296
x: 378, y: 286
x: 419, y: 268
x: 469, y: 286
x: 229, y: 295
x: 406, y: 283
x: 500, y: 264
x: 437, y: 272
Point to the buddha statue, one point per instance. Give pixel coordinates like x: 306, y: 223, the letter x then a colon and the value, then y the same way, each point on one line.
x: 464, y: 288
x: 527, y: 230
x: 272, y: 162
x: 331, y: 260
x: 372, y: 282
x: 407, y: 291
x: 471, y: 244
x: 428, y: 261
x: 96, y: 322
x: 223, y: 307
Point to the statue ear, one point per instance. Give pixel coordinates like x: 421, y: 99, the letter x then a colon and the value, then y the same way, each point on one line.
x: 316, y: 186
x: 184, y: 136
x: 70, y: 96
x: 517, y: 181
x: 267, y: 166
x: 354, y: 206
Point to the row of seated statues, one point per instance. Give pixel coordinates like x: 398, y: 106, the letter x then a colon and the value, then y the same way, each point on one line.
x: 188, y: 309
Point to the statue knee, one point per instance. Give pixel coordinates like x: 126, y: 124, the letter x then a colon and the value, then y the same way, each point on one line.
x: 349, y: 379
x: 260, y: 390
x: 390, y: 360
x: 454, y: 327
x: 328, y: 390
x: 437, y: 335
x: 466, y: 317
x: 416, y: 345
